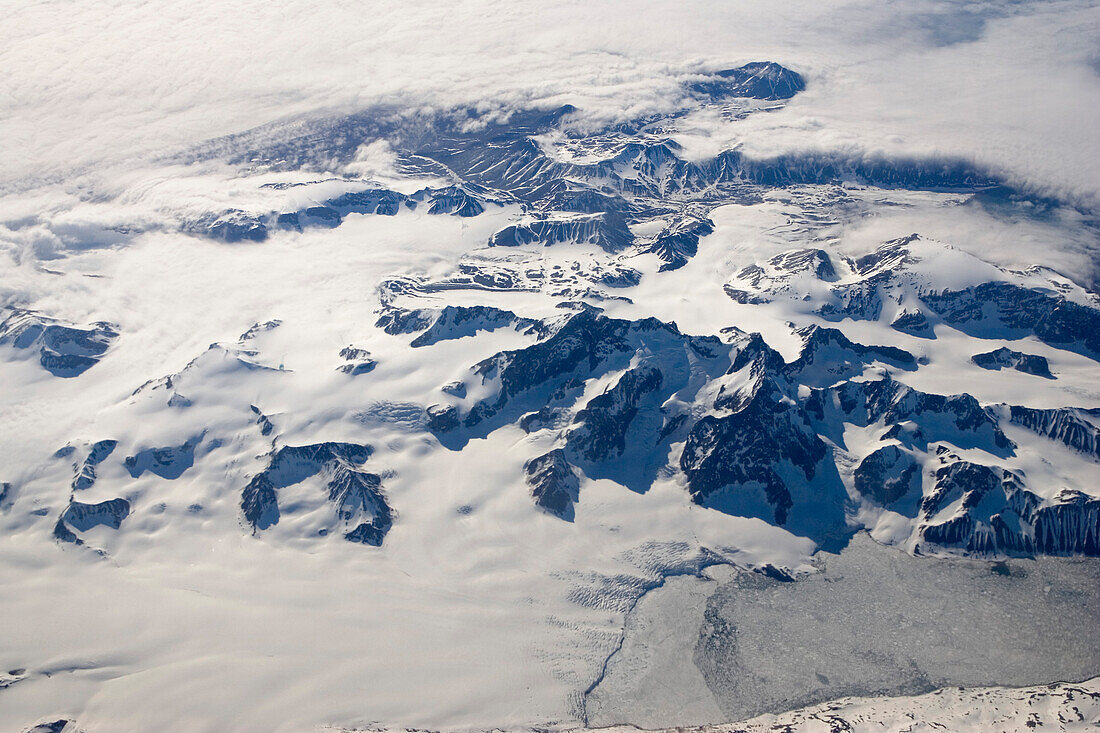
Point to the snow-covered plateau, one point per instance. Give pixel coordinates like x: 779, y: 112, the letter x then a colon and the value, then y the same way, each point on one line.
x: 519, y: 417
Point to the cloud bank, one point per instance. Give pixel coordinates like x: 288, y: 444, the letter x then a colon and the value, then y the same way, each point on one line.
x: 96, y: 87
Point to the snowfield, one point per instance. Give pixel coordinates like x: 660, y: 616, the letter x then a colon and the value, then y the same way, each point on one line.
x: 657, y: 383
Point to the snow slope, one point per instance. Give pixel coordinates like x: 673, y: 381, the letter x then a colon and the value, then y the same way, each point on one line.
x: 405, y: 444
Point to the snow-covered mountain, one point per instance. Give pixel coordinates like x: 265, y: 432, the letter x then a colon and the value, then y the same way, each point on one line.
x: 439, y: 433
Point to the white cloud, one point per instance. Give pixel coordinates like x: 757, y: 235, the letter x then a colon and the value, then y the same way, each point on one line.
x: 1010, y: 85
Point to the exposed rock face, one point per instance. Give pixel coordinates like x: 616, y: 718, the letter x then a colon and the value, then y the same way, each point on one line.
x: 259, y: 503
x: 454, y: 201
x: 266, y: 426
x: 396, y: 321
x: 169, y: 462
x: 606, y: 398
x: 355, y: 494
x: 913, y: 322
x: 680, y: 242
x: 895, y: 282
x: 606, y: 230
x: 781, y: 275
x: 829, y: 356
x: 888, y: 475
x: 507, y: 156
x: 55, y: 726
x: 622, y: 277
x: 763, y: 444
x: 758, y: 80
x: 82, y: 517
x: 958, y: 419
x: 453, y: 322
x: 1005, y: 358
x: 815, y: 261
x: 1068, y: 526
x: 231, y: 226
x: 370, y: 201
x: 585, y: 339
x: 754, y: 448
x: 603, y: 423
x: 987, y: 511
x: 449, y: 322
x: 359, y: 361
x: 442, y: 418
x: 86, y: 474
x: 64, y: 350
x: 994, y: 308
x: 1077, y: 429
x: 234, y: 225
x: 554, y: 484
x: 358, y: 494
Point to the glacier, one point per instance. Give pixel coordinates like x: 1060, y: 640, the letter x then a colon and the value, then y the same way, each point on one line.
x: 467, y: 417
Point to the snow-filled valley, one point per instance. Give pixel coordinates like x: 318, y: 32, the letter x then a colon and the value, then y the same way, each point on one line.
x: 472, y: 418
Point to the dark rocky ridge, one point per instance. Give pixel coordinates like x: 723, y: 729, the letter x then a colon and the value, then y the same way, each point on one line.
x: 887, y: 280
x: 357, y: 361
x: 86, y: 473
x: 63, y: 350
x: 995, y: 514
x: 356, y: 494
x: 554, y: 485
x: 888, y: 475
x: 169, y: 462
x: 638, y: 176
x: 234, y: 225
x: 1076, y: 429
x: 766, y: 445
x: 1005, y: 358
x: 989, y: 309
x: 765, y: 80
x: 83, y: 517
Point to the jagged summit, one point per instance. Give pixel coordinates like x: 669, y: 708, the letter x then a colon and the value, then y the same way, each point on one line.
x: 64, y: 350
x: 758, y: 80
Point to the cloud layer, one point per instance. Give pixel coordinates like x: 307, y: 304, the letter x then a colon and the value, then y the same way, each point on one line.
x: 1013, y: 85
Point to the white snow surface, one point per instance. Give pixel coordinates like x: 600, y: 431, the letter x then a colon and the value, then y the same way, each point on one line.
x: 479, y: 610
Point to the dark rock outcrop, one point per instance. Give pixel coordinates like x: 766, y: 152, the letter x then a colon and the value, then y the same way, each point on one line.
x: 602, y: 425
x: 680, y: 242
x: 266, y: 426
x: 959, y: 419
x: 1005, y: 358
x: 454, y: 322
x: 1005, y: 310
x: 259, y: 503
x: 829, y: 356
x: 356, y: 494
x: 86, y: 474
x: 750, y: 450
x: 759, y: 80
x: 887, y: 476
x: 1076, y: 429
x: 230, y: 226
x: 585, y: 339
x: 359, y: 361
x: 914, y: 323
x: 82, y: 517
x: 987, y: 511
x: 606, y: 230
x: 63, y: 350
x: 554, y: 483
x: 169, y: 462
